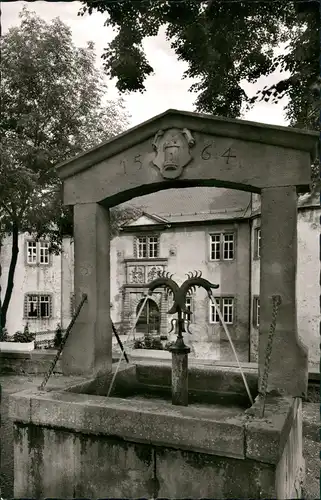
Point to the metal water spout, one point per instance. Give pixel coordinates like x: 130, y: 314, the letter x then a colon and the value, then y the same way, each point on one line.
x: 179, y: 350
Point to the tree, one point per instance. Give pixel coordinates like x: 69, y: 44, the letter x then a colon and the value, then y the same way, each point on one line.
x: 53, y: 106
x: 223, y: 42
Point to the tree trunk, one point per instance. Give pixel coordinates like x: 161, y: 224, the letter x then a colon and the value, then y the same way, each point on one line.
x: 0, y: 290
x: 12, y: 268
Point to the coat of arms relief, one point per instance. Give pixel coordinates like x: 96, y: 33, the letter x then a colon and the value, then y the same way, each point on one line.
x: 172, y: 149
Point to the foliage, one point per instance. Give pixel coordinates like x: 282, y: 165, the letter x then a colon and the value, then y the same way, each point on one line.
x: 120, y: 216
x: 148, y: 342
x: 224, y: 43
x: 4, y: 336
x: 168, y: 345
x: 25, y: 336
x: 53, y: 106
x: 58, y: 336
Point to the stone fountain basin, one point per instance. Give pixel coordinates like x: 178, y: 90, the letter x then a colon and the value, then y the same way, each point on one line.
x: 81, y: 422
x: 140, y: 409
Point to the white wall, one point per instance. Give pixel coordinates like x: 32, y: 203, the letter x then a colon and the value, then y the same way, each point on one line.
x: 30, y: 279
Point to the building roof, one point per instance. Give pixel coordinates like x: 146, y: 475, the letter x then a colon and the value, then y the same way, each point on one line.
x: 194, y: 204
x: 173, y: 202
x: 202, y: 204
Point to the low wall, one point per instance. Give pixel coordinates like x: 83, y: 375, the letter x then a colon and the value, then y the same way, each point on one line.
x: 33, y: 363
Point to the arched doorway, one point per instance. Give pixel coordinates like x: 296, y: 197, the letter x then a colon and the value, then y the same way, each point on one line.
x: 149, y: 319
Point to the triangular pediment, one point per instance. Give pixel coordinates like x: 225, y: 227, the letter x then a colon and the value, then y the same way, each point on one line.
x: 182, y: 149
x: 298, y: 139
x: 145, y: 220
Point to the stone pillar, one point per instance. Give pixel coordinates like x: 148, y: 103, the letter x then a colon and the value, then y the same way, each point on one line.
x: 180, y: 369
x: 288, y: 372
x: 88, y: 349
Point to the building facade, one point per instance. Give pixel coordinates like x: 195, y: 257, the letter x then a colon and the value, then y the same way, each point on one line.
x: 42, y: 295
x: 217, y: 235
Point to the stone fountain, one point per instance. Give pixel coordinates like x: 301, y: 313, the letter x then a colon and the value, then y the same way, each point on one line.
x: 136, y: 443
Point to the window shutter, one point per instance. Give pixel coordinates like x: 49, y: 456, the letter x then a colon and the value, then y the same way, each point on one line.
x: 72, y: 304
x: 135, y: 247
x: 50, y: 306
x: 25, y: 306
x: 26, y: 257
x: 158, y: 245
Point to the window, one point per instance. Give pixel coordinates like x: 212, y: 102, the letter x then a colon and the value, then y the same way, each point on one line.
x: 38, y: 306
x: 188, y: 305
x: 147, y: 247
x: 43, y: 252
x: 226, y: 305
x: 31, y: 252
x: 222, y: 246
x: 257, y: 243
x: 228, y: 246
x: 38, y: 252
x: 215, y: 247
x: 153, y: 246
x: 256, y: 312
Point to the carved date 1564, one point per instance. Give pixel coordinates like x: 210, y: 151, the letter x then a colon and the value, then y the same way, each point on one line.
x: 206, y: 154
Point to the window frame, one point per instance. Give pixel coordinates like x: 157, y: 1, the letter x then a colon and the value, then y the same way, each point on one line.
x: 228, y: 233
x: 220, y: 300
x: 257, y: 243
x: 44, y: 245
x: 38, y: 245
x: 38, y: 295
x: 221, y: 244
x: 256, y: 311
x: 31, y: 244
x: 189, y: 297
x: 215, y: 244
x: 150, y: 246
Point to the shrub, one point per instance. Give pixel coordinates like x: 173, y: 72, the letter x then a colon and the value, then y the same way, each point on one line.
x: 168, y: 345
x: 4, y: 335
x: 156, y: 344
x: 138, y: 344
x: 58, y: 337
x: 25, y: 336
x: 149, y: 342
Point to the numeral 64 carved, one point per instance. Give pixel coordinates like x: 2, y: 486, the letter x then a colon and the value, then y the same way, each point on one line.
x: 206, y: 154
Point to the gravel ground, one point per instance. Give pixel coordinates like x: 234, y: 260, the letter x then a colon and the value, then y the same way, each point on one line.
x: 10, y: 384
x: 311, y: 450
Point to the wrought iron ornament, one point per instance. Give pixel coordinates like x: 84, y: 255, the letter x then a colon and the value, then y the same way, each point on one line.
x: 179, y: 294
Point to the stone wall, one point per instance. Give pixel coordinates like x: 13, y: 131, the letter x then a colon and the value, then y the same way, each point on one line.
x: 35, y: 362
x: 97, y: 466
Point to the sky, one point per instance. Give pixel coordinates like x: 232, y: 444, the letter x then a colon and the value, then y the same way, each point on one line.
x: 165, y: 89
